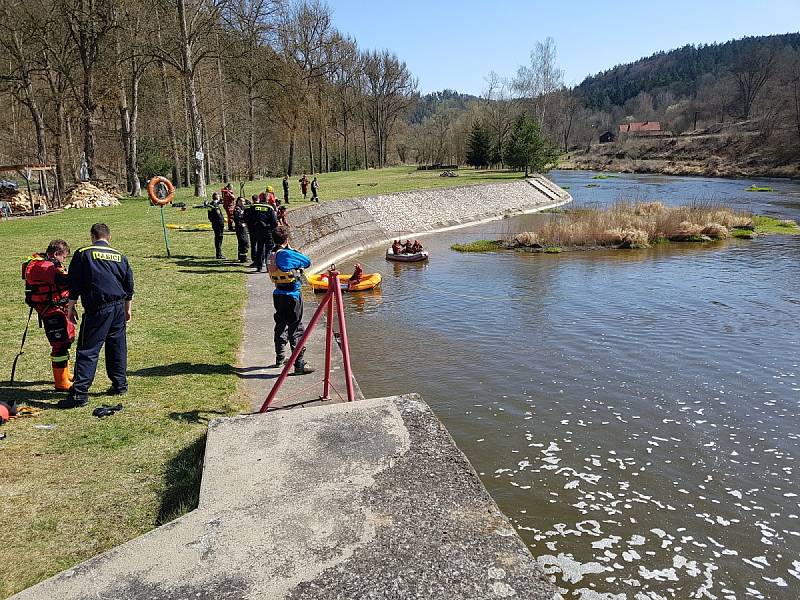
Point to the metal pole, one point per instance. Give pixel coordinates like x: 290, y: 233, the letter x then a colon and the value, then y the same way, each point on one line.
x: 301, y: 344
x: 164, y: 227
x: 348, y: 372
x: 328, y: 348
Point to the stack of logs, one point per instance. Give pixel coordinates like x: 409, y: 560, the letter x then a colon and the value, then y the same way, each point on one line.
x: 19, y: 201
x: 92, y: 195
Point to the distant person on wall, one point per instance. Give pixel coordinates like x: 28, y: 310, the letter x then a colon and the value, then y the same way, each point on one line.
x: 314, y: 190
x: 286, y: 189
x: 217, y: 220
x: 304, y: 186
x: 242, y: 235
x: 228, y: 202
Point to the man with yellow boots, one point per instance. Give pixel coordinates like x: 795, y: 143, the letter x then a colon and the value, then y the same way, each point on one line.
x: 47, y: 292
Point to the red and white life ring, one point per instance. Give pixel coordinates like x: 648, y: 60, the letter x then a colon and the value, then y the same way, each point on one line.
x: 155, y: 199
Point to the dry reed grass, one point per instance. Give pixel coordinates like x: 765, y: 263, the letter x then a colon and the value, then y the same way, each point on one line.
x: 635, y: 225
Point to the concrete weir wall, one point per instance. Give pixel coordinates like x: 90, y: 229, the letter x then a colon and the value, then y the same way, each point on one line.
x: 370, y: 499
x: 332, y: 231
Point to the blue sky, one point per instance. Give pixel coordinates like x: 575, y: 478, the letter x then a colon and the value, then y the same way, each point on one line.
x: 449, y: 44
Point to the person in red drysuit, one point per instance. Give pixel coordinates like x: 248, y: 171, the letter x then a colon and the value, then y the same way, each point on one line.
x: 47, y: 292
x: 228, y: 203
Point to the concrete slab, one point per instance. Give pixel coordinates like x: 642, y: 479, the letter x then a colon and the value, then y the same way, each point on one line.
x: 369, y: 499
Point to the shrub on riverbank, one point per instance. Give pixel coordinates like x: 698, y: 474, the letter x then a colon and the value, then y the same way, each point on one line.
x: 634, y: 225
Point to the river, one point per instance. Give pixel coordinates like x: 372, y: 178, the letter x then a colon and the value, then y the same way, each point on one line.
x: 635, y: 413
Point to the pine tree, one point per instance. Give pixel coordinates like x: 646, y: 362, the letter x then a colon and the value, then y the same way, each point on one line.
x: 527, y: 148
x: 479, y: 146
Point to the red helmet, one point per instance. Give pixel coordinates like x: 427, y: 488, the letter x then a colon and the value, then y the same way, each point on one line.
x: 5, y: 413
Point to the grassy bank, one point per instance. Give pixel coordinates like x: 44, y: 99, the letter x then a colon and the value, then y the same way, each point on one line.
x: 478, y: 246
x: 357, y: 184
x: 84, y: 485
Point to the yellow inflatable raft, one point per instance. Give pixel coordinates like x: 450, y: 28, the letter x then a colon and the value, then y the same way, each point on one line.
x: 368, y: 281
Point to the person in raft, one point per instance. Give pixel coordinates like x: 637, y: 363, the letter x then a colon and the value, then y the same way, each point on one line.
x: 397, y: 248
x: 416, y: 247
x: 408, y: 247
x: 287, y: 299
x: 355, y: 278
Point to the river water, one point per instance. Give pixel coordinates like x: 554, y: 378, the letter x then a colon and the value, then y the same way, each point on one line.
x: 635, y: 413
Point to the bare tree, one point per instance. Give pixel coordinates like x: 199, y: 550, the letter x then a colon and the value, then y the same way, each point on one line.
x: 20, y: 32
x: 499, y: 113
x: 197, y: 23
x: 89, y: 22
x: 751, y: 71
x: 390, y: 89
x: 345, y: 76
x: 252, y: 63
x: 540, y: 79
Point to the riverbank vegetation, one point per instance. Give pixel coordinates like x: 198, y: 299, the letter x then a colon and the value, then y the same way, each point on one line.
x: 478, y: 246
x: 628, y: 225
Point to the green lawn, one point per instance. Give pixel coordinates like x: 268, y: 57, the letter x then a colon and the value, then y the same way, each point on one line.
x: 334, y: 186
x: 87, y: 485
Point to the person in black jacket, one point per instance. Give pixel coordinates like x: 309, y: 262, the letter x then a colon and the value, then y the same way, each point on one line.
x: 286, y: 189
x: 102, y: 279
x: 261, y: 223
x: 242, y: 235
x: 217, y: 220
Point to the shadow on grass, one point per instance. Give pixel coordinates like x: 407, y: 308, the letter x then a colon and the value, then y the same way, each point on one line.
x: 195, y: 416
x: 188, y: 368
x: 182, y: 482
x: 22, y: 396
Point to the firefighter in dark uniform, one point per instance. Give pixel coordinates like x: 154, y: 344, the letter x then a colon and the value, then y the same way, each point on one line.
x: 47, y: 292
x: 242, y: 235
x: 102, y: 278
x: 217, y: 220
x: 262, y: 222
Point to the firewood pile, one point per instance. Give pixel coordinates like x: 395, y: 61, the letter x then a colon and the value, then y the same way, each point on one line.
x: 90, y: 195
x: 18, y: 199
x: 108, y: 186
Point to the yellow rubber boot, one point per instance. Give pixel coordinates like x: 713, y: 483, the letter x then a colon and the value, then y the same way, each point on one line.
x: 61, y: 378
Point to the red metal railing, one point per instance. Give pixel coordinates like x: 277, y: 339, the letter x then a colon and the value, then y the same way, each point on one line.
x: 333, y: 297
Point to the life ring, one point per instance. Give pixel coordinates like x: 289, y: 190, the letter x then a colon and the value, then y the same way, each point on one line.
x: 155, y: 199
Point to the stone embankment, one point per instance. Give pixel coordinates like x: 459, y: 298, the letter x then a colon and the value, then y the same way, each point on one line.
x: 332, y: 231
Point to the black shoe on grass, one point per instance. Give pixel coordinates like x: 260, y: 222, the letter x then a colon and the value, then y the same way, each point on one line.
x: 72, y: 401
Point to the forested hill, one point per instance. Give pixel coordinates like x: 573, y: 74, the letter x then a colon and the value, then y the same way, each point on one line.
x: 677, y: 71
x: 428, y: 104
